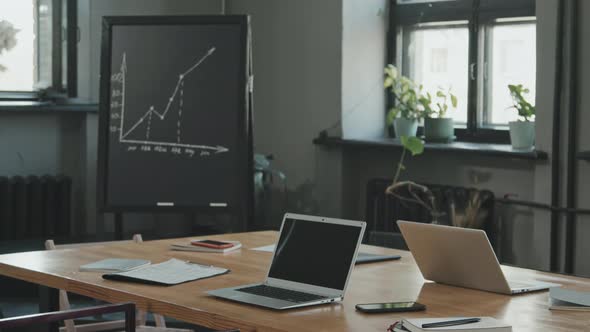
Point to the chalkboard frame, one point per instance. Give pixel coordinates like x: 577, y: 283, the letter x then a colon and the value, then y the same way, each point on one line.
x: 244, y: 210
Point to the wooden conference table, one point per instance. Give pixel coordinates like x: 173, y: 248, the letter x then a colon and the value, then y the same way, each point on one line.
x: 376, y: 282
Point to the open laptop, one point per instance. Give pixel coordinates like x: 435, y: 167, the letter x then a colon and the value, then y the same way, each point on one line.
x: 311, y: 264
x: 460, y: 257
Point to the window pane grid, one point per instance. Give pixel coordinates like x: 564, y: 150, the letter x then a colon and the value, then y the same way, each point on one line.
x: 37, y: 46
x: 509, y: 58
x: 499, y: 49
x: 437, y: 57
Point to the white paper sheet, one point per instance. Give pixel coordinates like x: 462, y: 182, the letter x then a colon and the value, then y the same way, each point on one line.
x: 173, y: 271
x: 268, y: 248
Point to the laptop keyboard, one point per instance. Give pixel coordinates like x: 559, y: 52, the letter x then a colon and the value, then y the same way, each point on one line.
x: 281, y: 293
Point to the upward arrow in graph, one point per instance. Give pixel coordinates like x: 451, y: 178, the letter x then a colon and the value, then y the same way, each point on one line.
x: 152, y: 110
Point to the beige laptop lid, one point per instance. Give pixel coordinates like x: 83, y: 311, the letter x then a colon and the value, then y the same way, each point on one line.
x: 455, y: 256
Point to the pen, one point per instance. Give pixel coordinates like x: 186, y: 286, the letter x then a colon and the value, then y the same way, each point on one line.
x: 199, y: 264
x: 451, y: 323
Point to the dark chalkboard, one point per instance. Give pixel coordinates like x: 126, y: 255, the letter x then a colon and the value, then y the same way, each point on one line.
x: 174, y: 115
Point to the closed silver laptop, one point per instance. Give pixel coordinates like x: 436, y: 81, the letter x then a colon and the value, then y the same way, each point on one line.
x: 461, y: 257
x: 311, y: 264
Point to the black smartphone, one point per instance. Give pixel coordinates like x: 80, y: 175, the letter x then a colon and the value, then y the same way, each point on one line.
x: 390, y: 307
x: 212, y: 244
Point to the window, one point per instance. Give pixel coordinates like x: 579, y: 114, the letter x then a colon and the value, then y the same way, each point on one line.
x: 436, y: 56
x: 37, y: 48
x: 475, y: 48
x: 509, y: 57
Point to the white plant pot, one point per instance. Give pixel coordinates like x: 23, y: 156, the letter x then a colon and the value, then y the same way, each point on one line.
x: 405, y: 127
x: 522, y: 134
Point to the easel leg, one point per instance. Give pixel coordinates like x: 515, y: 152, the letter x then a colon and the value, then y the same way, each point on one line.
x: 118, y: 226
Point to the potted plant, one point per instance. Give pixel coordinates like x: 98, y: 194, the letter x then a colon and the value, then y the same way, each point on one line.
x: 404, y: 116
x: 522, y: 131
x: 440, y: 128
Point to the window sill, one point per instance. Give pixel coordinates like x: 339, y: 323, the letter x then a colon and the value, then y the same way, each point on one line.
x: 75, y: 106
x: 493, y: 150
x: 584, y: 155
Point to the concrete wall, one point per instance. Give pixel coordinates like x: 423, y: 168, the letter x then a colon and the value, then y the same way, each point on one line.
x: 364, y: 52
x: 297, y: 49
x: 297, y: 67
x: 46, y: 143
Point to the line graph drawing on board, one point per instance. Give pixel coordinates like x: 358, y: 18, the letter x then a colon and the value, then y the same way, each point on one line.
x: 152, y: 113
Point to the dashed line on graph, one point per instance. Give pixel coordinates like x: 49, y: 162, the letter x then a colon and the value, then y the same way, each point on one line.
x: 149, y: 124
x: 181, y: 102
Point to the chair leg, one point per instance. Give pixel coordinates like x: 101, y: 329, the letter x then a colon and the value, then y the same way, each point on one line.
x: 160, y: 321
x: 141, y: 317
x: 64, y: 304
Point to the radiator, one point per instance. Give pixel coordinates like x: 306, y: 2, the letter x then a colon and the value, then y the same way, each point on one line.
x: 382, y: 211
x: 35, y: 207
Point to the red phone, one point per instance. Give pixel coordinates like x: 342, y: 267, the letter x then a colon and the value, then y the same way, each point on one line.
x: 212, y: 244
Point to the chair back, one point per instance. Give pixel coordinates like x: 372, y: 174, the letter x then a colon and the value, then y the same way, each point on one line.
x: 54, y: 317
x: 64, y: 302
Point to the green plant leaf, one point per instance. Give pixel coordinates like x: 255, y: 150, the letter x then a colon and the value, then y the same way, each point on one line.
x: 391, y: 115
x: 391, y: 71
x: 413, y: 144
x: 522, y: 106
x: 405, y: 98
x: 388, y: 82
x: 405, y: 87
x: 454, y: 100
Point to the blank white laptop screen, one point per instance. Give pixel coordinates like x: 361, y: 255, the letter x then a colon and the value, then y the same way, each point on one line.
x: 315, y: 253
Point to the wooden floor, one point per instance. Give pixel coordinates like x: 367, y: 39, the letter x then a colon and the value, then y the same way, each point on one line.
x: 378, y: 282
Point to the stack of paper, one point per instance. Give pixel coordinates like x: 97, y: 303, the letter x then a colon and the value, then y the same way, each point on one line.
x: 564, y: 299
x: 189, y: 247
x: 486, y: 324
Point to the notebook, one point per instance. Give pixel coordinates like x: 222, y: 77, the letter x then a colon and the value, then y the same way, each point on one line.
x: 168, y: 273
x: 487, y: 324
x: 189, y: 247
x: 565, y: 299
x: 114, y: 265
